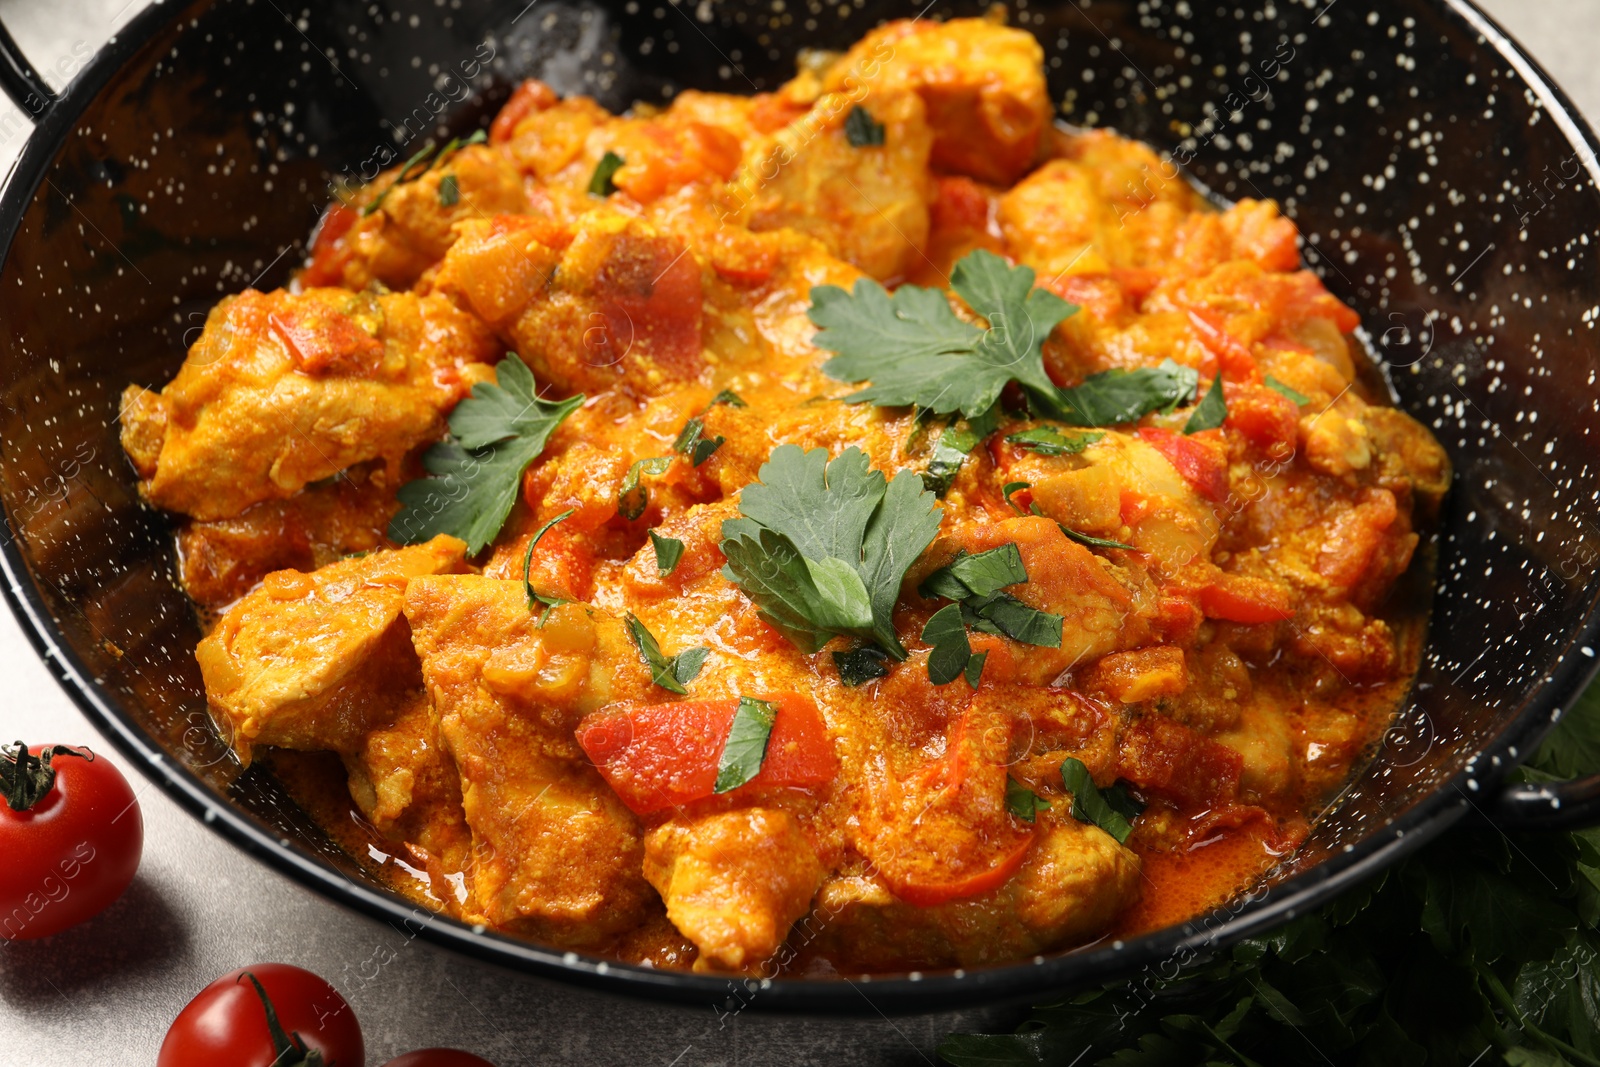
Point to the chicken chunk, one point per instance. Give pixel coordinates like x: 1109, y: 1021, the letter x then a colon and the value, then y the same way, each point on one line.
x: 866, y: 199
x: 404, y: 227
x: 405, y: 783
x: 733, y: 882
x: 556, y: 854
x: 615, y: 302
x: 1074, y: 882
x: 314, y: 661
x: 982, y: 84
x: 283, y: 389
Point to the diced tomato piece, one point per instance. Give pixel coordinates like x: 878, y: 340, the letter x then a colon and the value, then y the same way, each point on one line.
x: 649, y: 294
x: 562, y: 564
x: 1306, y: 297
x: 1203, y: 467
x: 1137, y: 282
x: 770, y: 112
x: 947, y: 833
x: 1233, y: 356
x: 1178, y: 620
x: 673, y: 156
x: 1166, y: 757
x: 1355, y: 536
x: 1263, y: 415
x: 960, y: 204
x: 658, y: 756
x: 1241, y: 598
x: 1098, y: 294
x: 529, y: 98
x: 328, y: 251
x: 322, y: 341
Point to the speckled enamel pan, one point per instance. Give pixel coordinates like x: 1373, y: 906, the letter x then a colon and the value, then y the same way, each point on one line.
x: 1446, y: 188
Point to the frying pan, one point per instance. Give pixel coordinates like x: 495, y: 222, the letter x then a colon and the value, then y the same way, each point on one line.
x: 1446, y: 190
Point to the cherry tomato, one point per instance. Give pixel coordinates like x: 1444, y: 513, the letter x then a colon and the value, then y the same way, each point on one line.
x: 71, y: 835
x: 438, y: 1057
x: 294, y: 1019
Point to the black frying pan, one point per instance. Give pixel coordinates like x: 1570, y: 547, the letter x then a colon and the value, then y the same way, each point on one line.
x: 1446, y: 188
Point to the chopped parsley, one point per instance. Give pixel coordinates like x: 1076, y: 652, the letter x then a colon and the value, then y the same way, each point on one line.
x: 1293, y: 394
x: 746, y: 747
x: 916, y: 351
x: 862, y: 130
x: 671, y: 673
x: 601, y: 183
x: 536, y: 598
x: 862, y: 664
x: 975, y: 582
x: 692, y: 440
x: 951, y: 651
x: 632, y: 497
x: 952, y: 447
x: 1113, y: 809
x: 979, y: 574
x: 449, y: 191
x: 476, y: 471
x: 1049, y: 441
x: 669, y: 550
x: 1023, y: 802
x: 420, y: 164
x: 821, y: 548
x: 1012, y: 488
x: 1117, y: 396
x: 1211, y: 412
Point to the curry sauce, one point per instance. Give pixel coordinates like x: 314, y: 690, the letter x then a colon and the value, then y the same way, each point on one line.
x: 858, y: 527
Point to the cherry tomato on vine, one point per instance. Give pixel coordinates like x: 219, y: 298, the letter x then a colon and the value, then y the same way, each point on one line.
x: 70, y: 834
x: 438, y: 1057
x: 269, y: 1015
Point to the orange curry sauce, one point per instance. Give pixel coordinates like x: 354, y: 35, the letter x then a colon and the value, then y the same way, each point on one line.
x: 1213, y: 580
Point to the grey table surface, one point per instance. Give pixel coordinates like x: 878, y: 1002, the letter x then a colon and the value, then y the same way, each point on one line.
x: 103, y: 994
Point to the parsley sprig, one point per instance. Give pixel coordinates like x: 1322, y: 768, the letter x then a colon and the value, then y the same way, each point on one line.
x: 821, y: 548
x: 975, y: 582
x: 476, y: 471
x: 916, y: 351
x: 671, y: 673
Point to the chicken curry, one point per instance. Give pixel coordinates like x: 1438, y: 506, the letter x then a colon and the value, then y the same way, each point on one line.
x: 858, y: 527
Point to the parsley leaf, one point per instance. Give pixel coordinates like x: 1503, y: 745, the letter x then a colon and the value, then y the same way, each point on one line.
x: 746, y: 747
x: 1011, y: 488
x: 955, y: 442
x: 693, y: 442
x: 1004, y: 614
x: 1211, y: 412
x: 601, y: 183
x: 1092, y: 541
x: 449, y: 191
x: 670, y: 673
x: 1117, y: 396
x: 669, y: 550
x: 1023, y: 802
x: 821, y: 548
x: 1295, y: 395
x: 980, y: 575
x: 974, y: 670
x: 951, y: 650
x: 527, y: 565
x: 494, y: 434
x: 1112, y: 810
x: 861, y: 129
x: 1049, y: 441
x: 633, y: 498
x: 915, y: 350
x: 860, y: 665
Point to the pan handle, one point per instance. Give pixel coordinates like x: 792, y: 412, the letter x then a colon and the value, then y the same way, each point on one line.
x: 21, y: 82
x: 1570, y: 805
